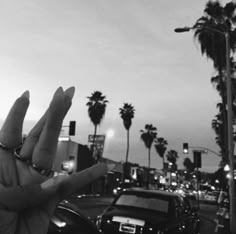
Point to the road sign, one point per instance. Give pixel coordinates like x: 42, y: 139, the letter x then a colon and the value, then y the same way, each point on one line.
x: 99, y: 139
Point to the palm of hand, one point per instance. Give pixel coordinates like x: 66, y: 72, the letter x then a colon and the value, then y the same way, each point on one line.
x: 14, y: 173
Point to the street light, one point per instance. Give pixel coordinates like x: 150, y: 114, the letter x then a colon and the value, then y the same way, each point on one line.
x: 229, y: 119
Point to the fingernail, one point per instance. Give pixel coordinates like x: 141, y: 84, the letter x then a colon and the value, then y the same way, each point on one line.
x: 70, y: 92
x: 59, y: 91
x: 26, y: 94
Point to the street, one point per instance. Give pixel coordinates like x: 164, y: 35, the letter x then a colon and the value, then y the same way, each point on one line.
x: 92, y: 206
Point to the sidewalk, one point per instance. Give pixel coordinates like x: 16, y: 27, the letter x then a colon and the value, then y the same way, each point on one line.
x: 209, y: 224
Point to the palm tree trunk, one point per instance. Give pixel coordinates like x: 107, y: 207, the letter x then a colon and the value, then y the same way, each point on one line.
x: 163, y: 160
x: 149, y: 163
x: 149, y: 157
x: 127, y: 151
x: 93, y: 145
x: 92, y: 185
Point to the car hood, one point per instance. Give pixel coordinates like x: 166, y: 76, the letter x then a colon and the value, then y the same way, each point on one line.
x: 141, y: 214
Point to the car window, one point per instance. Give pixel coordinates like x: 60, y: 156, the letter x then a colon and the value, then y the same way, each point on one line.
x: 151, y: 202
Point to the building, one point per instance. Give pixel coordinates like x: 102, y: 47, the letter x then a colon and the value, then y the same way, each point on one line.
x: 72, y: 157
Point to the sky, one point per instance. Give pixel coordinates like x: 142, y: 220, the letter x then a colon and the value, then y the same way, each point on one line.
x: 128, y: 50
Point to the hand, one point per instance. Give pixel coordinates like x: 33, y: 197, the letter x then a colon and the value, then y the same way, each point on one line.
x: 28, y: 196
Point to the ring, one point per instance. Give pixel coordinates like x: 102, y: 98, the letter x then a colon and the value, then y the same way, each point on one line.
x: 18, y: 156
x: 5, y: 148
x: 44, y: 172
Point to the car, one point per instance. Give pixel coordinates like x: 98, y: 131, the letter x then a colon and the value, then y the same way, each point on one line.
x: 211, y: 196
x: 122, y: 186
x: 68, y: 219
x: 143, y: 211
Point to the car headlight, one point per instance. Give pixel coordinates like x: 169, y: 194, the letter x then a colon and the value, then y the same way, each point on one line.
x: 98, y: 221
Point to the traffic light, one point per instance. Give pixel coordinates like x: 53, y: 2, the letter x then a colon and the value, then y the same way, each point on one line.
x: 185, y: 148
x: 197, y: 159
x: 72, y: 128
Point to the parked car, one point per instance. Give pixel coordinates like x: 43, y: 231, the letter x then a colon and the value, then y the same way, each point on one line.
x: 68, y: 219
x: 149, y: 211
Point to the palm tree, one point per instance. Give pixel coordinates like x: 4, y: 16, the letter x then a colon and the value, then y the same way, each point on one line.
x: 96, y: 111
x: 212, y: 42
x: 172, y: 157
x: 218, y: 127
x: 160, y: 146
x: 219, y: 18
x: 148, y: 135
x: 127, y: 114
x: 188, y: 164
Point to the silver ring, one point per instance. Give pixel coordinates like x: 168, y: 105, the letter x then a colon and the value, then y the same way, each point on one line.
x: 18, y: 156
x: 44, y: 172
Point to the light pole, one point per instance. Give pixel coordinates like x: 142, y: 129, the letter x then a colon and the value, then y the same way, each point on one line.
x: 232, y: 188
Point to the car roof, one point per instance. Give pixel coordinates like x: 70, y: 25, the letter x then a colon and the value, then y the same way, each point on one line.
x: 154, y: 192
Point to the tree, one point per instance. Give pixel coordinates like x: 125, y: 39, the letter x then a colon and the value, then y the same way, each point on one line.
x: 188, y: 164
x: 160, y: 146
x: 96, y: 110
x: 127, y: 114
x: 218, y: 127
x: 147, y: 136
x: 213, y: 43
x: 172, y: 157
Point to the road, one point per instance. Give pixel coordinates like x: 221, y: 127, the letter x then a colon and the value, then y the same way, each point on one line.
x: 92, y: 206
x: 207, y: 215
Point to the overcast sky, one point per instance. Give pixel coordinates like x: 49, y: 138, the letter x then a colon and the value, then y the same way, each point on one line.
x: 128, y: 50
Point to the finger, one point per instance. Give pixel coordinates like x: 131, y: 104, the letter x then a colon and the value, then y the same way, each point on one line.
x: 33, y: 137
x: 70, y: 184
x: 45, y: 149
x: 21, y: 197
x: 68, y: 95
x: 11, y: 132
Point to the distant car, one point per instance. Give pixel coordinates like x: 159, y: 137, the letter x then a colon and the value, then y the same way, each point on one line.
x: 211, y: 196
x: 67, y: 219
x: 140, y: 211
x: 122, y: 186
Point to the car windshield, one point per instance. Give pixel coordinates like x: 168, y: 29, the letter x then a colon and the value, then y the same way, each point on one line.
x: 160, y: 204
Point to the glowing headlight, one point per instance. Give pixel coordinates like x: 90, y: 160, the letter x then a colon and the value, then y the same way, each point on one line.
x: 99, y: 220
